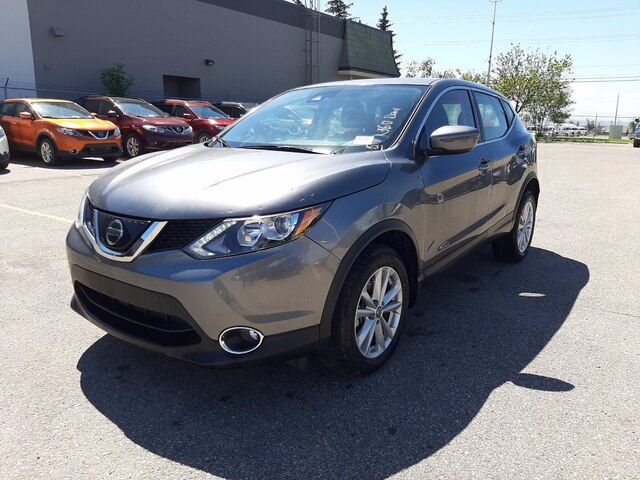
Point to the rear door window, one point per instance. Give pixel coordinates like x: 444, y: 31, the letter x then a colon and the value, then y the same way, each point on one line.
x: 492, y: 116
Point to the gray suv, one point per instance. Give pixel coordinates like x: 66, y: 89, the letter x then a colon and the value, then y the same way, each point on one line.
x: 307, y: 226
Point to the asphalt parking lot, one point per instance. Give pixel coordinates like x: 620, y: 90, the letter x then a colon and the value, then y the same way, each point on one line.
x: 505, y: 371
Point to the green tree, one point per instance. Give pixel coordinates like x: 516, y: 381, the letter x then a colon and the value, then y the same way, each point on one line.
x: 115, y: 81
x: 339, y: 8
x: 590, y: 126
x: 536, y: 82
x: 385, y: 25
x: 420, y: 69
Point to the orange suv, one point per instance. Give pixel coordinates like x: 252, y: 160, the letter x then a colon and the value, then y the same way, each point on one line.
x: 58, y: 129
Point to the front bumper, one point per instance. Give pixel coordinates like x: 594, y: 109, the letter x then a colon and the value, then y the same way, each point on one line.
x: 93, y: 150
x: 166, y: 140
x: 172, y: 303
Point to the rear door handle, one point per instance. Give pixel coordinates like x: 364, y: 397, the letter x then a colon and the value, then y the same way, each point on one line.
x: 484, y: 165
x: 523, y: 151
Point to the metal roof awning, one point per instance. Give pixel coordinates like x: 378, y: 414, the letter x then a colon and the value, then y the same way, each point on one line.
x: 367, y: 52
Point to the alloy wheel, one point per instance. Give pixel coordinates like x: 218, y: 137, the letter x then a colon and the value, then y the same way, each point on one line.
x: 46, y: 152
x: 525, y: 227
x: 378, y: 313
x: 133, y: 146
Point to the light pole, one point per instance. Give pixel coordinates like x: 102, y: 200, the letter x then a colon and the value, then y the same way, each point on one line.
x: 493, y: 27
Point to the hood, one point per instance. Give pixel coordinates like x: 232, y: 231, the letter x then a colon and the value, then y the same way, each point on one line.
x: 82, y: 124
x: 222, y: 121
x: 197, y: 182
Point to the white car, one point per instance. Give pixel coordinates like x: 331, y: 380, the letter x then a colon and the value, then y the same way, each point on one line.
x: 4, y: 150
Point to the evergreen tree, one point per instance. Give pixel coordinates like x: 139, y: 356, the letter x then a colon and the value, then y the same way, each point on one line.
x: 339, y: 9
x: 385, y: 25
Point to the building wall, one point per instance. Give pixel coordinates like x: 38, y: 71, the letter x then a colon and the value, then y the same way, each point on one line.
x: 255, y: 57
x: 16, y: 59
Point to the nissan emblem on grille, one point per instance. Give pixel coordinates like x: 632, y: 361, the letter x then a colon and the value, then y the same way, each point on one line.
x: 179, y: 129
x: 114, y: 232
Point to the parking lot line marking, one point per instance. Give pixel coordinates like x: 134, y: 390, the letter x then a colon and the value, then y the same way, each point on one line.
x: 37, y: 214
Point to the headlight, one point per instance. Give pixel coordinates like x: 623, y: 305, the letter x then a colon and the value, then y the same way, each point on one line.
x: 70, y: 132
x: 242, y: 235
x: 116, y: 132
x: 153, y: 128
x: 1, y: 132
x: 80, y: 216
x: 187, y: 130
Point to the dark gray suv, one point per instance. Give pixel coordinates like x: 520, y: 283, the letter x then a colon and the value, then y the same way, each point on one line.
x: 306, y: 226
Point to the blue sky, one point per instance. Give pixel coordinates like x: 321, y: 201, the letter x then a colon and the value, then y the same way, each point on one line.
x: 603, y: 39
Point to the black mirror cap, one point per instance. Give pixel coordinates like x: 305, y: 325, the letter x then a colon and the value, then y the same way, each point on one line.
x: 452, y: 139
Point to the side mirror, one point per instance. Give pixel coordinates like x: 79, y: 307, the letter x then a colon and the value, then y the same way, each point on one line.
x: 112, y: 114
x: 26, y: 116
x: 187, y: 116
x: 94, y: 114
x: 452, y: 139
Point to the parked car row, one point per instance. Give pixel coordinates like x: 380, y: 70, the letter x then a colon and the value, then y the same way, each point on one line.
x: 103, y: 126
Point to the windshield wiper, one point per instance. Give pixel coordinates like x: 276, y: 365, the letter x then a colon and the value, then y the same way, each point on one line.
x: 283, y: 148
x: 215, y: 139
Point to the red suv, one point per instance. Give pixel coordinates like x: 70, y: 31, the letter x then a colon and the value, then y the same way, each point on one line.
x: 205, y: 119
x: 143, y: 126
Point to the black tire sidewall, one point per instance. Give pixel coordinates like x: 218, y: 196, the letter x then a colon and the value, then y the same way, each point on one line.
x: 349, y: 356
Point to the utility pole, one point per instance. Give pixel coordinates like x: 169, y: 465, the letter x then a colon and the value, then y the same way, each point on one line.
x: 493, y: 27
x: 615, y: 119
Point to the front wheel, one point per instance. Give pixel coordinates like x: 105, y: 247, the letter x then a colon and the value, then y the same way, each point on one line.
x: 370, y: 312
x: 133, y: 145
x: 4, y: 165
x: 204, y: 137
x: 514, y: 246
x: 636, y: 143
x: 47, y: 152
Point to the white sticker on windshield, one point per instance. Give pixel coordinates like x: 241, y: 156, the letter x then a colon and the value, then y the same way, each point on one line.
x: 363, y: 140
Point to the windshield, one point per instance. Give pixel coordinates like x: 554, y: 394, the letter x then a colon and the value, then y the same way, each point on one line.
x: 139, y: 109
x: 331, y: 119
x: 60, y: 110
x: 206, y: 111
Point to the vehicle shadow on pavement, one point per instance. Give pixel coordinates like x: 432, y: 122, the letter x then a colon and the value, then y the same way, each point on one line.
x: 32, y: 160
x: 476, y: 326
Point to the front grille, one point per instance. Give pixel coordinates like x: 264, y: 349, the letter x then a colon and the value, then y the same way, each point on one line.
x: 177, y: 129
x: 177, y: 234
x: 99, y: 134
x: 100, y: 149
x: 155, y: 327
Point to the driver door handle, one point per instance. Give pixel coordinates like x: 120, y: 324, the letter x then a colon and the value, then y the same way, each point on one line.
x: 484, y: 165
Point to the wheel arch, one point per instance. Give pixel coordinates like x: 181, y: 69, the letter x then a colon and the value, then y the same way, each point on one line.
x: 392, y: 233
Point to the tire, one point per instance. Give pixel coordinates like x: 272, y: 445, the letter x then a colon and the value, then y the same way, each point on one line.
x: 636, y: 143
x: 345, y: 355
x: 514, y: 246
x: 110, y: 159
x: 204, y: 137
x: 133, y: 145
x: 4, y: 165
x: 47, y: 152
